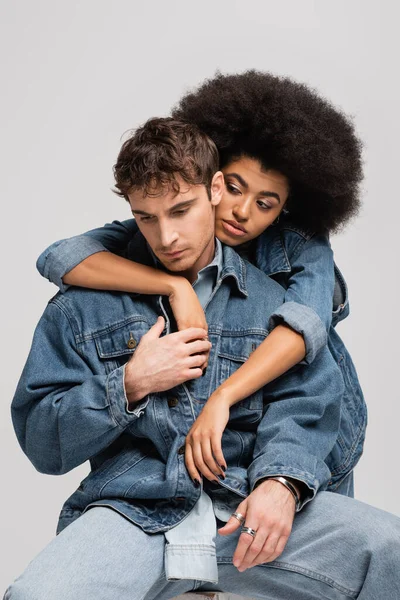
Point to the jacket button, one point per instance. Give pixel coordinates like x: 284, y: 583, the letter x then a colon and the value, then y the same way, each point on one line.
x: 172, y: 402
x: 131, y: 343
x: 181, y: 450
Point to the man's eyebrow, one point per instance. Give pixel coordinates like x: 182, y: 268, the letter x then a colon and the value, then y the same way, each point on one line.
x: 182, y: 204
x: 178, y: 206
x: 244, y: 184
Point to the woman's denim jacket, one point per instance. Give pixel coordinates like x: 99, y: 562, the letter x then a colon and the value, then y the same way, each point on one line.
x: 70, y: 404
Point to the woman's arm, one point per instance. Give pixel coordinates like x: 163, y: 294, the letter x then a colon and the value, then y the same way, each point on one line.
x: 62, y: 257
x: 299, y: 331
x: 94, y: 260
x: 308, y: 304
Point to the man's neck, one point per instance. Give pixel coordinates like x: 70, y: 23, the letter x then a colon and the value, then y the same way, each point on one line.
x: 205, y: 259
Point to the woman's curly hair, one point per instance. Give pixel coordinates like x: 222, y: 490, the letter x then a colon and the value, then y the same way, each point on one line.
x: 288, y: 127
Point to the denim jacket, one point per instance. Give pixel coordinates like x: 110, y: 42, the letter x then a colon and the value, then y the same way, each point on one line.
x: 70, y: 405
x: 316, y: 299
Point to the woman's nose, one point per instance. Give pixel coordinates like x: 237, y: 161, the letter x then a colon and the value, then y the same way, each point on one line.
x: 241, y: 210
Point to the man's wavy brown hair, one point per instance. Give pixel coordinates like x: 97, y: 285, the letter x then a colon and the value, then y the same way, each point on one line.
x: 159, y: 152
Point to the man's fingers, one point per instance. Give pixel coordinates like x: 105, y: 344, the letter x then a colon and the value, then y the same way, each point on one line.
x: 156, y: 330
x: 198, y: 346
x: 188, y: 374
x: 261, y: 549
x: 191, y: 334
x: 280, y: 546
x: 197, y: 360
x: 233, y: 524
x: 244, y: 543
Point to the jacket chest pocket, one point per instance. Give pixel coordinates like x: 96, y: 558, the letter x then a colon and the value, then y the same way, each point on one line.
x: 117, y: 344
x: 232, y: 354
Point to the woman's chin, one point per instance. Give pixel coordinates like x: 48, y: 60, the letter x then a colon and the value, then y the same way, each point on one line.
x: 227, y: 239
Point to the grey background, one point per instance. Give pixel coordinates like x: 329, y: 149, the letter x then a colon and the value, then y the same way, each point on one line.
x: 76, y: 75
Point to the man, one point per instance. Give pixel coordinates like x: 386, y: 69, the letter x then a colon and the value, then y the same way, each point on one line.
x: 102, y: 384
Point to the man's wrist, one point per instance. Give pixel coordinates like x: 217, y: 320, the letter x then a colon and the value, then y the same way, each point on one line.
x: 135, y: 388
x: 292, y: 486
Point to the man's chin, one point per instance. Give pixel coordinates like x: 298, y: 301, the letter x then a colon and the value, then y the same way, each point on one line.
x: 177, y: 265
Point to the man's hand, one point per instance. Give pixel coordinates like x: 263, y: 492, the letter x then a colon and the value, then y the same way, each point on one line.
x: 269, y: 510
x: 160, y: 363
x: 203, y: 442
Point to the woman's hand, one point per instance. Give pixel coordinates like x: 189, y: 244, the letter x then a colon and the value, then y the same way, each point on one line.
x: 203, y: 452
x: 185, y: 305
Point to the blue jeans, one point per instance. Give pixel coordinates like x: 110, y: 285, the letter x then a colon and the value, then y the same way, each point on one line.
x: 339, y: 548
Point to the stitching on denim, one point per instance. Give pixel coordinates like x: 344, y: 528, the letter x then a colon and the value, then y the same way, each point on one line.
x: 301, y: 571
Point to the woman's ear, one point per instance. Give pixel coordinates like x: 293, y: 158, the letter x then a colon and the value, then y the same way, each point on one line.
x: 217, y: 188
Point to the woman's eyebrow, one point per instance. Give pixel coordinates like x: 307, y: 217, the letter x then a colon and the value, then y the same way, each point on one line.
x: 244, y: 184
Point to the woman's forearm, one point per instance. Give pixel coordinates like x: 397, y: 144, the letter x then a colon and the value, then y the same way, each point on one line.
x: 106, y: 271
x: 282, y: 349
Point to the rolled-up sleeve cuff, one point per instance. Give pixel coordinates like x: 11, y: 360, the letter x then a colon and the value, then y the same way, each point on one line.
x: 63, y: 256
x: 305, y: 321
x: 275, y: 471
x: 118, y: 400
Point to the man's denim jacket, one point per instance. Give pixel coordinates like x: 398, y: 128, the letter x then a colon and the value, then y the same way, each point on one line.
x: 316, y: 299
x: 70, y: 404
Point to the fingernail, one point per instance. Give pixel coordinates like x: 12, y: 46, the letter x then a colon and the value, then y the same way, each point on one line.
x: 196, y: 482
x: 221, y: 477
x: 223, y: 467
x: 204, y: 372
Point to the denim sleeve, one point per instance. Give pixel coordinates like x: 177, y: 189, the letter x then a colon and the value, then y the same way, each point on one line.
x: 62, y: 413
x: 309, y: 296
x: 300, y: 426
x: 62, y: 256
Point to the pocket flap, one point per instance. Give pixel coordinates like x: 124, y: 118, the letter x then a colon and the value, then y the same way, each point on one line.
x: 121, y: 340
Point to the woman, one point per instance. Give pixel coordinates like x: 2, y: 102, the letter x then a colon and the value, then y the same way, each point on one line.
x: 292, y: 169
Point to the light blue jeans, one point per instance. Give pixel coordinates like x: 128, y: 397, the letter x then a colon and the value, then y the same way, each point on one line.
x: 339, y: 548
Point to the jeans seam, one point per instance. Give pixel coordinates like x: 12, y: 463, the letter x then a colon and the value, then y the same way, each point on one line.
x: 301, y: 571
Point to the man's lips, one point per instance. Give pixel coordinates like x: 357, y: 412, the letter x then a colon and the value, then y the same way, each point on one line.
x: 174, y: 254
x: 234, y: 228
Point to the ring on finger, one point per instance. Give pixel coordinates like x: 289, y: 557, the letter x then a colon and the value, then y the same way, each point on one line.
x: 250, y: 531
x: 239, y: 517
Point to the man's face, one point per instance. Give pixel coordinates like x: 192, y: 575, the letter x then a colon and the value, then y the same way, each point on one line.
x: 179, y: 228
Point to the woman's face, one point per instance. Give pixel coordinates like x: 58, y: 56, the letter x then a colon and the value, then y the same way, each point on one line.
x: 252, y: 200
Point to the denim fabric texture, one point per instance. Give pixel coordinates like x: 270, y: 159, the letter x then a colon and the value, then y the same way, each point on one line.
x: 70, y: 404
x: 315, y: 301
x: 339, y: 549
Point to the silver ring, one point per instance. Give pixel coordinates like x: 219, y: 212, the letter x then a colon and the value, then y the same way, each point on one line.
x: 239, y: 517
x: 249, y: 530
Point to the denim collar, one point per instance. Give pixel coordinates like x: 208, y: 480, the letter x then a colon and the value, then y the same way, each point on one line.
x: 270, y: 252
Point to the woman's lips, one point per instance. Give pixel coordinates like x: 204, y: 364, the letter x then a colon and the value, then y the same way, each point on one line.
x: 233, y: 228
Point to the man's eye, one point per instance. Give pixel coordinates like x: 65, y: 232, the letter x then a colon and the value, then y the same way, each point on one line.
x: 145, y: 219
x: 179, y: 213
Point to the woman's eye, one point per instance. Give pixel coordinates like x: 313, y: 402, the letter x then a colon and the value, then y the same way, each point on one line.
x: 263, y: 205
x: 232, y: 189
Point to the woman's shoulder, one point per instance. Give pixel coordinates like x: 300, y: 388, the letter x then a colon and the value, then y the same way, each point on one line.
x: 279, y: 245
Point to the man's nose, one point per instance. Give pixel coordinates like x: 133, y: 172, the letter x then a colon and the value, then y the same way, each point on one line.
x: 241, y: 210
x: 168, y: 235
